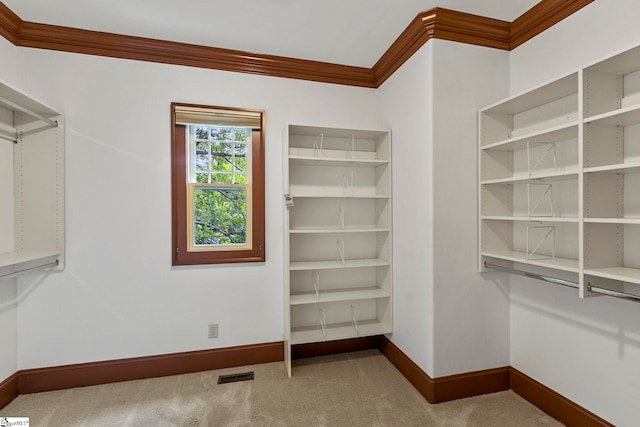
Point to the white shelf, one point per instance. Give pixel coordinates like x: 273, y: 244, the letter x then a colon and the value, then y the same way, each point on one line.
x: 617, y: 168
x: 613, y: 220
x: 333, y: 265
x: 535, y: 177
x: 544, y: 94
x: 338, y: 331
x: 328, y: 161
x: 555, y: 134
x: 337, y: 230
x: 625, y: 274
x: 622, y: 117
x: 568, y: 219
x: 15, y: 262
x: 564, y: 264
x: 338, y: 196
x: 339, y: 295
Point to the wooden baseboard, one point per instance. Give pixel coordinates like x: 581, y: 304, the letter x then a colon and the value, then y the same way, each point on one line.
x: 62, y: 377
x: 9, y: 390
x: 448, y: 388
x: 302, y: 351
x: 470, y: 384
x: 407, y: 367
x: 554, y: 404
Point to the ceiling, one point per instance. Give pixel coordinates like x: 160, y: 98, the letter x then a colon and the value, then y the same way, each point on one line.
x: 350, y: 32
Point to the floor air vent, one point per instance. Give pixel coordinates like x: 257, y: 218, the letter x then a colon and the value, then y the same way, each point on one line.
x: 246, y: 376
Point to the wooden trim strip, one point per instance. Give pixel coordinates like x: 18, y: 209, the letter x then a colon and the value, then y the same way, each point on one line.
x: 9, y: 390
x: 301, y: 351
x: 10, y: 24
x: 85, y: 374
x: 75, y: 40
x: 553, y: 403
x: 541, y: 17
x: 471, y: 384
x: 407, y: 367
x: 448, y: 388
x: 442, y: 24
x: 436, y: 23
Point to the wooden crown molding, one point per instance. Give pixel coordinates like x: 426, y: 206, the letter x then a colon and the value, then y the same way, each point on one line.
x: 541, y: 17
x: 436, y: 23
x: 442, y: 24
x: 10, y: 24
x: 75, y: 40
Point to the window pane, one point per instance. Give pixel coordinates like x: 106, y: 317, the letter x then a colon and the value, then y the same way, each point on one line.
x: 202, y: 178
x: 222, y: 178
x: 221, y: 157
x: 202, y: 163
x: 220, y: 216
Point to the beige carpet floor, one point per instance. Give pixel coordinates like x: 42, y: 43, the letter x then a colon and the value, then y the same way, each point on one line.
x: 352, y: 389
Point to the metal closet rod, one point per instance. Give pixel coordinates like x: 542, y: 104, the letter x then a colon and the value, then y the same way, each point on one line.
x: 38, y: 267
x: 8, y: 138
x: 563, y: 282
x: 33, y: 114
x: 550, y: 279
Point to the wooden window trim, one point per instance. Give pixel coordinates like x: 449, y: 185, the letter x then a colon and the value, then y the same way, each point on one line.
x: 179, y: 223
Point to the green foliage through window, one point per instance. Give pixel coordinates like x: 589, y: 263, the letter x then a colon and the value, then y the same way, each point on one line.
x: 220, y: 216
x: 218, y: 161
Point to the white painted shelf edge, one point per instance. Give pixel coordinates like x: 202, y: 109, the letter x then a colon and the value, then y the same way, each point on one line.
x: 550, y: 176
x: 339, y: 196
x: 565, y: 264
x: 623, y: 116
x: 329, y: 161
x: 352, y: 294
x: 334, y: 265
x: 625, y: 274
x: 616, y: 168
x: 613, y: 220
x: 337, y: 230
x: 15, y: 262
x: 555, y: 134
x: 531, y: 218
x: 338, y: 331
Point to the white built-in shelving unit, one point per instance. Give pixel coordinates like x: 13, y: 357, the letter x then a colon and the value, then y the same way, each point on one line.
x: 36, y: 134
x: 337, y: 192
x: 560, y: 179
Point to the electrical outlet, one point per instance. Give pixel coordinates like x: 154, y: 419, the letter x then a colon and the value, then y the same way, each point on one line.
x: 213, y: 330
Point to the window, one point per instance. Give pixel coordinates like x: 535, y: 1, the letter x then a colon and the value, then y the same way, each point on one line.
x: 217, y: 185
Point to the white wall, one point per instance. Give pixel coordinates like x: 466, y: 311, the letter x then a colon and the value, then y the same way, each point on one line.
x: 8, y: 288
x: 118, y: 296
x: 471, y: 312
x: 406, y: 107
x: 587, y: 350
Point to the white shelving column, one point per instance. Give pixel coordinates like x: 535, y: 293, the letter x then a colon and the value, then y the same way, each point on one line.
x: 529, y: 215
x: 612, y: 175
x: 559, y: 180
x: 337, y: 186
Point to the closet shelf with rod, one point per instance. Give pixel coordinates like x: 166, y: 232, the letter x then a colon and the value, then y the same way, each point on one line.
x: 32, y: 134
